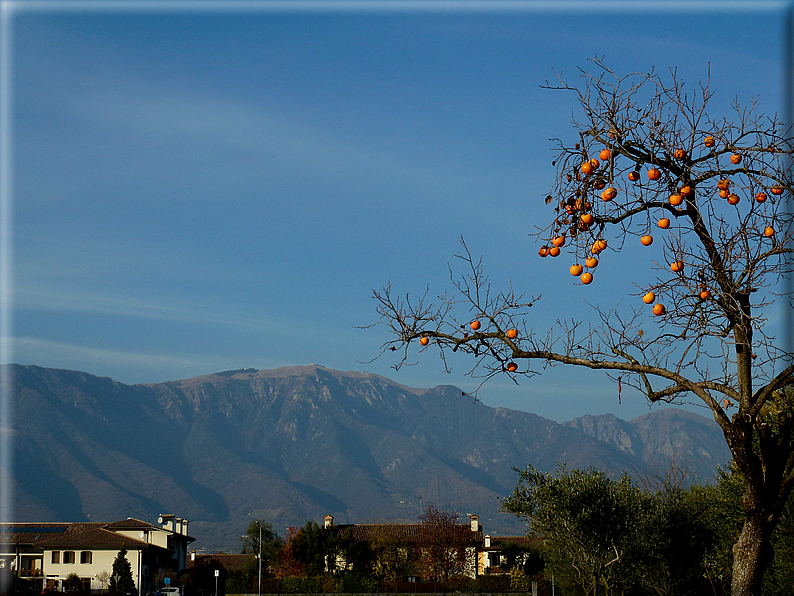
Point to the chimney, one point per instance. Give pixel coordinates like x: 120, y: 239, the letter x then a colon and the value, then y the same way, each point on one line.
x: 487, y: 541
x: 475, y: 523
x: 192, y: 555
x: 328, y: 521
x: 166, y: 520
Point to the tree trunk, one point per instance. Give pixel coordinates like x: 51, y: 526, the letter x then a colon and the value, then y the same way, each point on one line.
x: 751, y: 555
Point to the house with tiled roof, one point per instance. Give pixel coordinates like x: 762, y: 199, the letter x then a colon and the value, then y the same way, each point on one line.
x: 468, y: 536
x: 45, y: 554
x: 493, y: 559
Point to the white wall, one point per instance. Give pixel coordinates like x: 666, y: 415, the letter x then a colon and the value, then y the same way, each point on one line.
x: 102, y: 560
x: 156, y: 536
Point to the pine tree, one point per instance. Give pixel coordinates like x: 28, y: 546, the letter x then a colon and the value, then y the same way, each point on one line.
x: 122, y: 572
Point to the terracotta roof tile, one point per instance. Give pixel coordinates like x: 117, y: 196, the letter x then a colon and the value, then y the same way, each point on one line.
x: 130, y: 524
x: 96, y: 535
x: 30, y: 533
x: 91, y: 535
x: 409, y: 533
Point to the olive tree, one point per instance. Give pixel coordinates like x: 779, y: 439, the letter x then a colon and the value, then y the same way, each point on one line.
x: 595, y: 529
x: 644, y: 163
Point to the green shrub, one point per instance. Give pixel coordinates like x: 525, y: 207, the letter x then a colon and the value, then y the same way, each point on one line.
x: 301, y: 585
x: 519, y: 581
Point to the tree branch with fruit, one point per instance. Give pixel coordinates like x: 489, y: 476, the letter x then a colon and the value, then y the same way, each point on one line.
x: 648, y: 160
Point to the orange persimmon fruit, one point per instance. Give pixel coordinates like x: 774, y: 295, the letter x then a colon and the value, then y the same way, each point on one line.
x: 609, y: 194
x: 598, y: 246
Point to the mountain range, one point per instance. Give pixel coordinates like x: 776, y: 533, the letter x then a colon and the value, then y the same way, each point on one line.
x: 293, y: 444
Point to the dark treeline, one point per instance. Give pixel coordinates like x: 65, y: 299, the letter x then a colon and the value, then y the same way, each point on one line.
x: 603, y: 536
x: 592, y: 536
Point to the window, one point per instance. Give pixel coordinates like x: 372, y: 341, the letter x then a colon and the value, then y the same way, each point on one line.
x: 56, y: 556
x: 68, y: 557
x: 85, y: 557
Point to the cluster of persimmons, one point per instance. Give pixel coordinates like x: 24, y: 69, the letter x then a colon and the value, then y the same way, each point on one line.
x: 579, y: 216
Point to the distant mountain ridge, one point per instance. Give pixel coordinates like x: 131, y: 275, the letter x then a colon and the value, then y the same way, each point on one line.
x: 295, y: 443
x: 692, y: 442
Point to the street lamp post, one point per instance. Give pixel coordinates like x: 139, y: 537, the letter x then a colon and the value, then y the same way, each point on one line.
x: 260, y: 557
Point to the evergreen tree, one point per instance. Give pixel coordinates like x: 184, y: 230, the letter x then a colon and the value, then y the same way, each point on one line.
x: 122, y: 572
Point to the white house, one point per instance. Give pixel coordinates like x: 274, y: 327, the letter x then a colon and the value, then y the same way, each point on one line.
x: 44, y: 554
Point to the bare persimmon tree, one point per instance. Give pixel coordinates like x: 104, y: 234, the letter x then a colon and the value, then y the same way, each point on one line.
x: 443, y: 544
x: 646, y: 163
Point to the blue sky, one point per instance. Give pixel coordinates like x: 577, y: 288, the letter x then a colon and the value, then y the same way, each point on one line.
x: 200, y: 187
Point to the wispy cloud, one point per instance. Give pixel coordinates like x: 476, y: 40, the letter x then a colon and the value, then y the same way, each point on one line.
x: 222, y: 143
x: 126, y: 366
x: 53, y: 298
